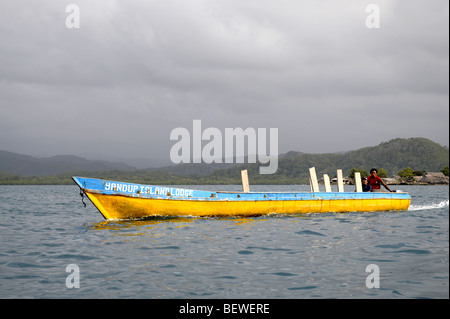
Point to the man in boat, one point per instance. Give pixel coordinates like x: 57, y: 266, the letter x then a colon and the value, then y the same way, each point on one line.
x: 375, y: 181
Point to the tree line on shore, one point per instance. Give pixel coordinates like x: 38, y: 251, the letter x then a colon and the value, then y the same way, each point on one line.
x: 216, y: 178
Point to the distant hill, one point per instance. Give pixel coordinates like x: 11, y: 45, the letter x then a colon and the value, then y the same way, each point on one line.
x: 418, y: 153
x: 24, y: 165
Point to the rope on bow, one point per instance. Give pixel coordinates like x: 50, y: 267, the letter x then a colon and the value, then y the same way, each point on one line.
x: 82, y: 197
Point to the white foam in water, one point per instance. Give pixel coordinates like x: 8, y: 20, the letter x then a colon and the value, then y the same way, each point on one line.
x: 431, y: 206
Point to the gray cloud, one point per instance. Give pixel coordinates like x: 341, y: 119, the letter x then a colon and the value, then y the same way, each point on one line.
x: 135, y: 70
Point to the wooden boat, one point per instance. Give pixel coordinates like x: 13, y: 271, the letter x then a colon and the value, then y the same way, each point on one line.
x: 119, y: 200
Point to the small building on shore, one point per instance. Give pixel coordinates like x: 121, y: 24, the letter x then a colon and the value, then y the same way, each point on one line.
x: 346, y: 181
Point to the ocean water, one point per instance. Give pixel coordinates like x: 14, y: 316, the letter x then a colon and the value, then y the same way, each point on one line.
x: 54, y: 247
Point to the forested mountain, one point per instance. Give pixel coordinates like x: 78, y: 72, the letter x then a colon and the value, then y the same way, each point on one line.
x: 418, y: 153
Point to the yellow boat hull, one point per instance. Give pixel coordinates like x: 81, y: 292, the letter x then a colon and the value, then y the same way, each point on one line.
x: 125, y: 207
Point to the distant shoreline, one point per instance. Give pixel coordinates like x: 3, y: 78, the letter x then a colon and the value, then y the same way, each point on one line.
x: 210, y: 184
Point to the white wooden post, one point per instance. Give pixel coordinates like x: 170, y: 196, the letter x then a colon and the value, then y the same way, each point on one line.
x: 245, y: 184
x: 326, y: 181
x: 340, y: 181
x: 358, y: 182
x: 313, y: 179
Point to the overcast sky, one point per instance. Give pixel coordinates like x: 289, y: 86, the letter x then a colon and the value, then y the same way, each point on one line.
x: 135, y: 70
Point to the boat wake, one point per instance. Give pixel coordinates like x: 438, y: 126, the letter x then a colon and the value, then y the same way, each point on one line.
x: 442, y: 204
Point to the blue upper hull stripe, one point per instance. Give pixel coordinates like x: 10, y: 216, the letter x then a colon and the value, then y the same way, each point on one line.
x: 152, y: 191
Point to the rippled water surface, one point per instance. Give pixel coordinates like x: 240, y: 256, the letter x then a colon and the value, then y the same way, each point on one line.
x: 43, y: 229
